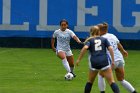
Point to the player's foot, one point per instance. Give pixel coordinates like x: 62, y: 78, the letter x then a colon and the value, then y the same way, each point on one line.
x: 102, y: 91
x: 74, y: 75
x: 134, y: 92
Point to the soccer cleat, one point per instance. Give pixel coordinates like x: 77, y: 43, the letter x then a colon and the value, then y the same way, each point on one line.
x: 134, y: 92
x: 74, y: 75
x: 102, y: 91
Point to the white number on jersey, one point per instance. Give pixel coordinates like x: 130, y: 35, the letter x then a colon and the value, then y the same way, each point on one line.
x: 114, y: 44
x: 98, y: 45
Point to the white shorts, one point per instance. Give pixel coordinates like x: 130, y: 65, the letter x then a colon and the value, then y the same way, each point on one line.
x: 68, y: 53
x: 119, y: 64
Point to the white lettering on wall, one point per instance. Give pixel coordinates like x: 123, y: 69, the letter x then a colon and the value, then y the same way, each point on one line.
x: 81, y: 19
x: 43, y: 12
x: 81, y: 12
x: 6, y: 19
x: 117, y: 18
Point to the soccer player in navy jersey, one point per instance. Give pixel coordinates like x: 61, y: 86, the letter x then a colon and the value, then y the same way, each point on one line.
x: 98, y: 60
x: 119, y: 52
x: 63, y: 50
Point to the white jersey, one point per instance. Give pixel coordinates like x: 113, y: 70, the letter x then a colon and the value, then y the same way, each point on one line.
x: 114, y: 41
x: 63, y: 39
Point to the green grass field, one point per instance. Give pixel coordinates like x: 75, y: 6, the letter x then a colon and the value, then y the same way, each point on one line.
x: 40, y: 71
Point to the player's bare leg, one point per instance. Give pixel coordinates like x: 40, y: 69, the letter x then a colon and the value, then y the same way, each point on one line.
x: 120, y: 77
x: 65, y: 63
x: 71, y: 64
x: 91, y: 79
x: 61, y: 55
x: 109, y: 77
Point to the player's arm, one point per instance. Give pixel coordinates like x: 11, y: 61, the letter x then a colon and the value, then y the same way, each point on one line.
x: 76, y: 39
x: 52, y: 44
x: 83, y: 51
x: 110, y: 49
x: 123, y: 51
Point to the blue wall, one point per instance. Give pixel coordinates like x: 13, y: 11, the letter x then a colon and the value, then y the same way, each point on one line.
x: 39, y: 18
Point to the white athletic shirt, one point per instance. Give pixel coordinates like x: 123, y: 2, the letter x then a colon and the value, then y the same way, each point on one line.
x: 114, y: 41
x: 63, y: 39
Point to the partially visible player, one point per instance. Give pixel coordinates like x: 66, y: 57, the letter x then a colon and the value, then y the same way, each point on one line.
x: 62, y: 49
x: 98, y: 60
x: 118, y: 59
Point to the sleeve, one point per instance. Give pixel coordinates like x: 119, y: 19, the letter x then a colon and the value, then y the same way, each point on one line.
x: 72, y: 34
x: 107, y: 43
x: 87, y: 43
x: 54, y: 34
x: 116, y: 39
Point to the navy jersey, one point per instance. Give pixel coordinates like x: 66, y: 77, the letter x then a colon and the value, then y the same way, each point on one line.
x: 98, y: 53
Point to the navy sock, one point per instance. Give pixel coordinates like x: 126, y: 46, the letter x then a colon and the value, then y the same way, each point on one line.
x: 115, y: 88
x: 88, y: 87
x: 102, y: 91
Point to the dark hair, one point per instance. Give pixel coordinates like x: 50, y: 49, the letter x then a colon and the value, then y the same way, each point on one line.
x: 103, y: 26
x: 64, y: 20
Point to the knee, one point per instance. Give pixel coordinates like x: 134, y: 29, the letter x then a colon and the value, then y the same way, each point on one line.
x: 120, y: 78
x: 62, y: 56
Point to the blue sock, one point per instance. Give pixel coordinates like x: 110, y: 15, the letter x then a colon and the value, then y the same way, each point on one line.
x: 115, y: 88
x: 88, y: 87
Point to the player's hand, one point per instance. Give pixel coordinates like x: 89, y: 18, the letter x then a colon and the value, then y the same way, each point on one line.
x: 79, y: 42
x: 125, y: 53
x: 77, y: 62
x: 112, y: 65
x: 82, y: 43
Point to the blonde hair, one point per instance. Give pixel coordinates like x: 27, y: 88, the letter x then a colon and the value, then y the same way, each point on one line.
x: 94, y: 31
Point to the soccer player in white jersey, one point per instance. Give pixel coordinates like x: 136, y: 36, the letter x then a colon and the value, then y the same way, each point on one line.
x: 119, y: 52
x: 62, y: 49
x: 98, y: 59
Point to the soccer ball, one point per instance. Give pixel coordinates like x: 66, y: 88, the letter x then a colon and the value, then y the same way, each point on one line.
x: 69, y: 76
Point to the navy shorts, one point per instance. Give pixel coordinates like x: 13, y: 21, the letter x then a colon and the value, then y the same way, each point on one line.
x: 98, y: 62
